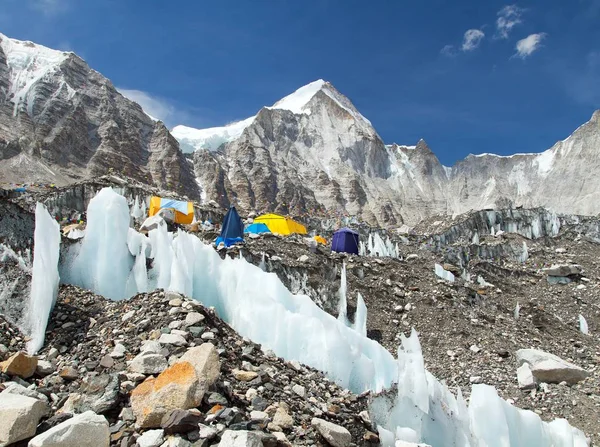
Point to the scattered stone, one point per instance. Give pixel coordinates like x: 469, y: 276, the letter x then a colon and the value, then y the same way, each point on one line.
x: 151, y: 438
x: 83, y: 430
x: 193, y: 318
x: 19, y: 416
x: 69, y: 373
x: 244, y: 376
x: 283, y: 419
x: 19, y: 364
x: 335, y: 435
x: 172, y: 339
x: 240, y: 438
x: 44, y: 368
x: 563, y: 270
x: 148, y: 363
x: 118, y: 352
x: 299, y: 390
x: 181, y: 421
x: 107, y: 361
x: 525, y: 377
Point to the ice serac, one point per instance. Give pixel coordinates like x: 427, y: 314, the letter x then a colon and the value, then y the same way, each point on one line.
x: 421, y: 410
x: 44, y: 277
x: 61, y: 121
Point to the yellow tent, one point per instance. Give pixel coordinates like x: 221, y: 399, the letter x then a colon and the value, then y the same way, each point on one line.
x: 183, y: 211
x: 321, y: 240
x: 280, y: 224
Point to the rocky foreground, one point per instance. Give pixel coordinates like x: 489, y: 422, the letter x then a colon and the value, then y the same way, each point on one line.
x: 162, y: 370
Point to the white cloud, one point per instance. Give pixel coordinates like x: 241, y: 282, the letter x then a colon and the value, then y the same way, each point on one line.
x: 50, y: 7
x: 448, y: 50
x: 526, y: 47
x: 154, y: 107
x: 508, y: 18
x: 472, y: 39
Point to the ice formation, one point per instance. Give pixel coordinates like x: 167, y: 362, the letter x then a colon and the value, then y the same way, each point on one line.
x: 360, y: 318
x: 422, y: 409
x: 443, y: 273
x: 583, y: 326
x: 376, y: 246
x: 44, y: 276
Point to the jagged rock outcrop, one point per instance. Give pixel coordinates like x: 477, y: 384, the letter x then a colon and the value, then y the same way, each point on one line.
x: 61, y: 121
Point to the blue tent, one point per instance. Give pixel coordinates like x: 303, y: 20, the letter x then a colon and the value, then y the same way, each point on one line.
x: 232, y: 231
x: 345, y: 240
x: 257, y: 228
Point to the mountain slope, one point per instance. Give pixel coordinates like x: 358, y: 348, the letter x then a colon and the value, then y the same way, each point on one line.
x: 61, y: 121
x: 313, y: 151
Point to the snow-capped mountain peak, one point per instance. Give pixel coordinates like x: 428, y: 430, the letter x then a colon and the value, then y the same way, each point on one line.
x: 28, y: 63
x: 299, y: 103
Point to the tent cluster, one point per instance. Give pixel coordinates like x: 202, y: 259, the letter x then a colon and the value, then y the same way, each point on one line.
x: 344, y: 240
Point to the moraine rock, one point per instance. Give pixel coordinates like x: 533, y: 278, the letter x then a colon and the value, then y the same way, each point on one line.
x: 148, y: 363
x: 283, y: 419
x: 563, y: 270
x: 193, y: 318
x: 172, y: 339
x: 19, y: 364
x: 20, y: 416
x: 240, y: 438
x: 525, y: 377
x: 83, y: 430
x: 244, y: 376
x: 181, y: 386
x: 335, y: 435
x: 550, y: 368
x: 181, y: 421
x: 151, y: 438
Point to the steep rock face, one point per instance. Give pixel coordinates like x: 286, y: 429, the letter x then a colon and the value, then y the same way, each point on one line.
x: 61, y: 121
x: 313, y: 153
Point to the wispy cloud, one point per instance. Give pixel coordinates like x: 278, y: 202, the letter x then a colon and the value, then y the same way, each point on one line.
x: 169, y: 112
x: 508, y: 18
x: 526, y: 47
x: 448, y: 50
x: 472, y: 39
x: 156, y: 108
x: 50, y: 8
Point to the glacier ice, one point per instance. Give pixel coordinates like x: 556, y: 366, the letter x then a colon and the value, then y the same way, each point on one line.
x: 44, y: 277
x: 422, y: 408
x: 443, y: 273
x: 377, y: 246
x: 360, y: 318
x: 343, y: 302
x: 583, y: 326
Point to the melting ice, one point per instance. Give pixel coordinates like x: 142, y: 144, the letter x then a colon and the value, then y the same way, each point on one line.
x: 109, y: 261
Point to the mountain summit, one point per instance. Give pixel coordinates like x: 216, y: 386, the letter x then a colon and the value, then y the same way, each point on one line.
x: 310, y: 153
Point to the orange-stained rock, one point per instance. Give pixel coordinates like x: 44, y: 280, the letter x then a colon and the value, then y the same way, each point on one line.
x: 177, y: 387
x: 19, y: 364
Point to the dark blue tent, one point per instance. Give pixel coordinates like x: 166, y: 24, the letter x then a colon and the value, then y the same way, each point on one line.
x: 257, y: 228
x: 232, y: 231
x: 345, y: 240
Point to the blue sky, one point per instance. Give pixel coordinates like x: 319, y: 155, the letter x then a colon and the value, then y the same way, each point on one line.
x: 467, y: 76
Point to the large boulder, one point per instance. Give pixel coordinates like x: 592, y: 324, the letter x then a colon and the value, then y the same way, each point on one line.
x: 240, y: 438
x: 19, y: 417
x: 83, y: 430
x: 177, y: 387
x: 335, y: 435
x: 550, y: 368
x: 525, y: 377
x: 19, y: 364
x: 563, y: 270
x: 205, y: 360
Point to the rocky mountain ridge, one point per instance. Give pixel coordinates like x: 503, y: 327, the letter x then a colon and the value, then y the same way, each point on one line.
x: 310, y: 154
x: 61, y: 121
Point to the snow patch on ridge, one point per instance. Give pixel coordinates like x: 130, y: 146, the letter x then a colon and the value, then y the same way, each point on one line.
x: 28, y: 64
x: 212, y: 138
x: 296, y: 102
